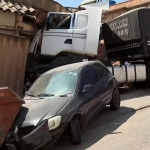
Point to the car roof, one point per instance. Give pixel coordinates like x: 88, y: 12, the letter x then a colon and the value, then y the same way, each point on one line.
x: 71, y: 67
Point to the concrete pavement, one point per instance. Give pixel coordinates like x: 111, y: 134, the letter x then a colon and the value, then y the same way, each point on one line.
x: 125, y: 129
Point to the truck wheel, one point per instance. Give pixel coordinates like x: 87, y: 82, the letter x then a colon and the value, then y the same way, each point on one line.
x: 75, y: 131
x: 116, y: 100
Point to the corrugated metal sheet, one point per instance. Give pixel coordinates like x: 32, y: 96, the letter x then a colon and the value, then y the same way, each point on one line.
x: 13, y: 56
x: 15, y: 7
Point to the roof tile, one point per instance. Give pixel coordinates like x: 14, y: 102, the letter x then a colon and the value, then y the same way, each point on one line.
x: 15, y: 7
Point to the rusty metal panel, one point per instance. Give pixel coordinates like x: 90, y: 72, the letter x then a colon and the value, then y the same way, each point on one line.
x: 8, y: 99
x: 13, y: 56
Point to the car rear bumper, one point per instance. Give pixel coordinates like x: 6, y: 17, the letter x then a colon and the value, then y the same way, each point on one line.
x: 38, y: 138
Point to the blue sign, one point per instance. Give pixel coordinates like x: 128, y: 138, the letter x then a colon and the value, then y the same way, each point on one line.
x: 111, y: 2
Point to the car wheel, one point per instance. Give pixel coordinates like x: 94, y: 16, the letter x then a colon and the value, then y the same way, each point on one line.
x: 75, y: 131
x: 116, y: 100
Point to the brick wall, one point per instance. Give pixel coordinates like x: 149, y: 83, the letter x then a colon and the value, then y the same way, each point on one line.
x: 119, y: 9
x: 129, y: 5
x: 108, y: 17
x: 101, y: 51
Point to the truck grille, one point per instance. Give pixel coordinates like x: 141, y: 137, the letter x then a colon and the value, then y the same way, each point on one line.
x: 25, y: 130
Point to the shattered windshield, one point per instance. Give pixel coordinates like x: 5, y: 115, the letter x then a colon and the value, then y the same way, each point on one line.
x: 54, y: 84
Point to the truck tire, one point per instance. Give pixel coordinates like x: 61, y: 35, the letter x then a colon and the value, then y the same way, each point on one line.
x: 75, y: 131
x: 116, y: 100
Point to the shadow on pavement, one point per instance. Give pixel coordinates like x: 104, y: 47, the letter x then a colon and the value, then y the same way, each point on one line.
x: 127, y: 94
x: 105, y: 123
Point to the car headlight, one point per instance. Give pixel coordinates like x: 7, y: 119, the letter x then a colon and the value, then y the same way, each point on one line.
x: 54, y: 122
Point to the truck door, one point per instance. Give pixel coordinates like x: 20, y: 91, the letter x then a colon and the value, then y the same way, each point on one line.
x: 57, y: 36
x: 80, y: 32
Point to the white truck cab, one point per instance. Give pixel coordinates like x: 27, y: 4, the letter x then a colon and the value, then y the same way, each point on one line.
x: 67, y: 38
x: 76, y: 33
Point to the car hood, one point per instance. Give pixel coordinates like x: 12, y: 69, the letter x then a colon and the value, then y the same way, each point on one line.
x: 36, y: 110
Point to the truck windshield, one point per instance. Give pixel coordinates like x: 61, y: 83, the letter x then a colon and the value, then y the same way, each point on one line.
x: 54, y: 84
x: 58, y: 21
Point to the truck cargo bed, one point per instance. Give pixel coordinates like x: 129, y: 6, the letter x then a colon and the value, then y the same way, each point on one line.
x: 128, y: 36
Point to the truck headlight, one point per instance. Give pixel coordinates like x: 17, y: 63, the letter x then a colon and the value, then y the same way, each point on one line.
x: 54, y: 122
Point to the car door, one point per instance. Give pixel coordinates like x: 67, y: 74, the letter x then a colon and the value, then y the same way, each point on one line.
x: 90, y: 99
x: 105, y: 83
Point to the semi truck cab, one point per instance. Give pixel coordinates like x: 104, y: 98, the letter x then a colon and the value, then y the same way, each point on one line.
x: 76, y: 33
x: 66, y: 38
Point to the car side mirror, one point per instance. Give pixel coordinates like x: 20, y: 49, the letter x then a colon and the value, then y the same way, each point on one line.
x: 88, y: 88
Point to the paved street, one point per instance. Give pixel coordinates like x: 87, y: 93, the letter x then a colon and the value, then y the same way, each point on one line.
x: 126, y: 129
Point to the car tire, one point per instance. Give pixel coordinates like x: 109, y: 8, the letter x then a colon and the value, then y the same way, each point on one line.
x: 75, y: 131
x: 116, y: 100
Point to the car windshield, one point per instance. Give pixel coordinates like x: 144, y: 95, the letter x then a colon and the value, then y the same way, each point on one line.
x: 54, y: 84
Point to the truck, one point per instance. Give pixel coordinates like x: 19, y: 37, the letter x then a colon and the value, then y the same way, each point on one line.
x: 127, y: 39
x: 74, y: 37
x: 66, y: 38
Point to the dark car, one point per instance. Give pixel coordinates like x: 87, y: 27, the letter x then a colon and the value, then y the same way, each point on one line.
x: 62, y: 101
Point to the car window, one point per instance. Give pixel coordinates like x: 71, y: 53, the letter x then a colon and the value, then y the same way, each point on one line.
x: 101, y: 70
x: 88, y: 76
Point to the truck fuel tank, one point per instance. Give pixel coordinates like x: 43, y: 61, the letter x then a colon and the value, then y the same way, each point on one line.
x: 129, y: 73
